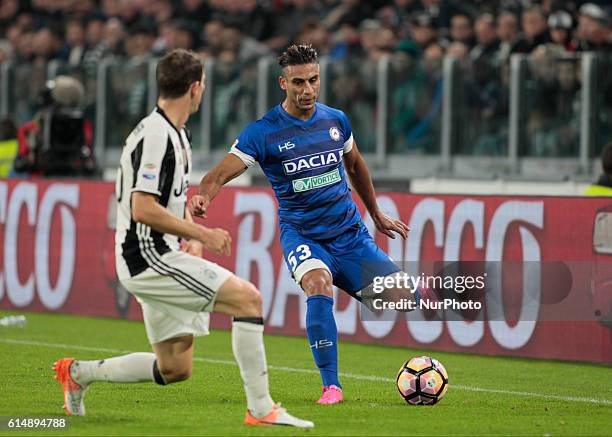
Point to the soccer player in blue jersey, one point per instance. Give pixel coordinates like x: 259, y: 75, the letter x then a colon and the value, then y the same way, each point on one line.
x: 307, y: 150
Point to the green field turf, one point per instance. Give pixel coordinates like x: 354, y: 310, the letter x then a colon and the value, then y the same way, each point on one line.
x: 487, y: 395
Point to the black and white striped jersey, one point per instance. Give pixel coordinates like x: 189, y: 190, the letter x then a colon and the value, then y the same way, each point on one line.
x: 156, y: 159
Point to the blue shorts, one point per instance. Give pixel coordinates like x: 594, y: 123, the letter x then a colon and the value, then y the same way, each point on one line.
x: 352, y: 258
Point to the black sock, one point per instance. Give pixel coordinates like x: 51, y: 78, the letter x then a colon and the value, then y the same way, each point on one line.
x: 157, y: 374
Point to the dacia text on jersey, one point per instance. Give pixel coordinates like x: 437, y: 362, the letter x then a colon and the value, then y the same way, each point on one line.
x: 313, y: 161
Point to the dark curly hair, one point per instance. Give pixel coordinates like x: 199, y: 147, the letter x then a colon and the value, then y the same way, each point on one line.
x: 298, y: 55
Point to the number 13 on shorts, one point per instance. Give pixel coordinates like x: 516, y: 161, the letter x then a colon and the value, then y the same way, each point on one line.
x: 302, y: 252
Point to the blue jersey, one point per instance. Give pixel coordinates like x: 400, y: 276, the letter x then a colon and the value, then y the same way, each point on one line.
x: 302, y: 159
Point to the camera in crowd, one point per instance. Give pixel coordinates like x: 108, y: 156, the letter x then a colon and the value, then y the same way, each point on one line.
x: 59, y: 140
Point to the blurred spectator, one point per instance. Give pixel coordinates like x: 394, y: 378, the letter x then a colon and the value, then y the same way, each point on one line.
x: 534, y: 27
x: 75, y: 42
x: 25, y: 47
x: 376, y: 40
x: 432, y: 57
x: 349, y: 12
x: 9, y: 9
x: 508, y: 32
x: 111, y: 8
x: 242, y: 46
x: 416, y: 101
x: 461, y: 29
x: 315, y: 34
x: 553, y: 123
x: 486, y: 93
x: 251, y: 18
x: 83, y: 8
x: 345, y: 42
x: 486, y: 38
x: 114, y: 38
x: 8, y: 146
x: 139, y: 43
x: 388, y: 18
x: 129, y: 12
x: 13, y: 34
x: 196, y: 10
x: 404, y: 9
x: 423, y: 30
x: 161, y: 11
x: 47, y: 45
x: 441, y: 11
x: 127, y: 83
x: 458, y: 50
x: 560, y: 24
x: 289, y: 22
x: 95, y: 30
x: 603, y: 186
x: 213, y: 37
x: 594, y: 28
x: 176, y: 34
x: 96, y: 49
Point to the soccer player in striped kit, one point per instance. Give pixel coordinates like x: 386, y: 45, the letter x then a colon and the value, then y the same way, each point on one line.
x: 177, y: 289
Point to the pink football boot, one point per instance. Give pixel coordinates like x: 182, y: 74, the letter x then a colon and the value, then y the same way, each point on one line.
x: 331, y: 395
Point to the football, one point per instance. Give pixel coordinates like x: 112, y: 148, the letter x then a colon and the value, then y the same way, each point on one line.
x: 422, y: 381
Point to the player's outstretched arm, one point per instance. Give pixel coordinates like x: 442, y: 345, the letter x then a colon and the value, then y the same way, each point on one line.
x: 229, y: 168
x: 359, y: 175
x: 146, y: 210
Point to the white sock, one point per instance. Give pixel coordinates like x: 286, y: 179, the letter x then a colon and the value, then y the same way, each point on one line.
x: 135, y: 367
x: 248, y: 347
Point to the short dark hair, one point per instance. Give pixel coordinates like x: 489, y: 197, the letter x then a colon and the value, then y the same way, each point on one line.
x: 606, y: 159
x: 298, y: 55
x: 176, y: 72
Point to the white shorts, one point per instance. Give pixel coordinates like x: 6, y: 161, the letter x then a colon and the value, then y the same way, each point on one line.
x: 177, y: 295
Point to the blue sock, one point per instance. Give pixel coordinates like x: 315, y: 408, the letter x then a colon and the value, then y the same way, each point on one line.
x: 323, y: 337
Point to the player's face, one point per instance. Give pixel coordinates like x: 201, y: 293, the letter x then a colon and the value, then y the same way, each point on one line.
x: 197, y: 91
x: 302, y: 84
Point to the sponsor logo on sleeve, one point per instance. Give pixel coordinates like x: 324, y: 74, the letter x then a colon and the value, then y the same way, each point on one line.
x: 149, y: 176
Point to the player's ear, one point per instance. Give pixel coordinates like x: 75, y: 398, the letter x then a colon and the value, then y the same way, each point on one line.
x: 193, y: 89
x: 282, y: 82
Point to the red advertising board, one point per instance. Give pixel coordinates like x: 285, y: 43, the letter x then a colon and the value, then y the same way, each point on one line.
x: 57, y: 240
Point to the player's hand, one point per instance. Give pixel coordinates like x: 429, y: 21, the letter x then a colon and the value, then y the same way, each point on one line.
x: 217, y: 240
x: 193, y: 247
x: 198, y: 204
x: 388, y: 226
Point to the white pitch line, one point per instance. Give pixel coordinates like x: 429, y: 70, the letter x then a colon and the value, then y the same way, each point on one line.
x: 312, y: 371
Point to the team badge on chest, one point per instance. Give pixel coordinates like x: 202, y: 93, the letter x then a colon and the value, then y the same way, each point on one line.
x: 334, y: 133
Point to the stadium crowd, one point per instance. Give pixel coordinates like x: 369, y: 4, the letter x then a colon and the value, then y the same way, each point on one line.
x: 356, y: 34
x: 84, y: 31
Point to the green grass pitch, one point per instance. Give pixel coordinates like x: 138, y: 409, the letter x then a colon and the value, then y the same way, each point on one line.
x: 487, y: 395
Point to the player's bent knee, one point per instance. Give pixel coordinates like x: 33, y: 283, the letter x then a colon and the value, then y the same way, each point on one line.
x: 317, y: 282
